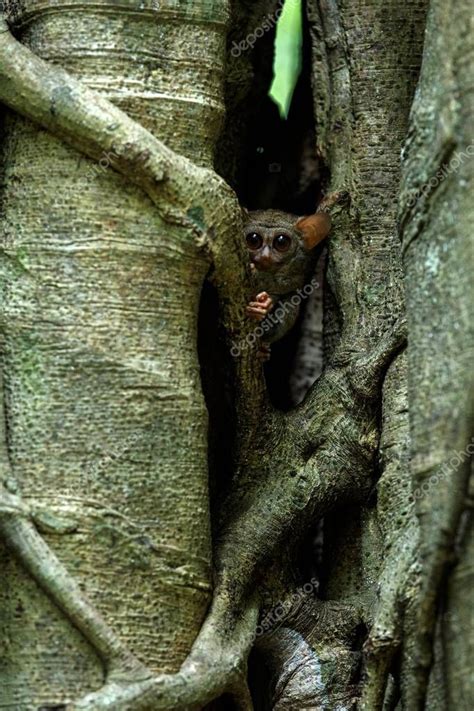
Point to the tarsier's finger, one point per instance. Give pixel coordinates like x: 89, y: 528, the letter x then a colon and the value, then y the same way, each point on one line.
x: 265, y: 301
x: 255, y: 313
x: 256, y: 305
x: 257, y: 309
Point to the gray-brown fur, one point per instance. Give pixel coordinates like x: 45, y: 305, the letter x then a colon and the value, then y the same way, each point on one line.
x: 280, y: 270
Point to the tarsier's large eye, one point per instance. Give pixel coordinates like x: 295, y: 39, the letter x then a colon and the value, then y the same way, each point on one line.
x: 254, y: 241
x: 282, y: 243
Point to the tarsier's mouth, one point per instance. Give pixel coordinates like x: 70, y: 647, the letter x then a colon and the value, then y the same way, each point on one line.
x: 266, y: 266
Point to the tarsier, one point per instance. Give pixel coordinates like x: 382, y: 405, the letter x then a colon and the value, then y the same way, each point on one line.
x: 282, y: 259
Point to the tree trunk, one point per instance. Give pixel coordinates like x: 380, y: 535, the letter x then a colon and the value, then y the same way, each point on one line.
x: 341, y: 538
x: 436, y: 226
x: 106, y: 424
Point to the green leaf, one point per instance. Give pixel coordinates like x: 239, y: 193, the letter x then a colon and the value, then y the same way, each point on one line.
x: 288, y: 55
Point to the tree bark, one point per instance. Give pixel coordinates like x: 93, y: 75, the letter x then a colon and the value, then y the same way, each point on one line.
x: 105, y: 419
x: 112, y: 219
x: 436, y: 213
x: 359, y: 54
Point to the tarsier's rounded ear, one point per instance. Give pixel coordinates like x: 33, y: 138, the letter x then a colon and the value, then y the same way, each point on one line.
x: 314, y: 228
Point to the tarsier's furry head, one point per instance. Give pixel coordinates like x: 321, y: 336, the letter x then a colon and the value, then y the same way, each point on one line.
x: 281, y: 244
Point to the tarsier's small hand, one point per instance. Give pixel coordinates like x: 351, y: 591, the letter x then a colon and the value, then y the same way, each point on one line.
x: 261, y: 307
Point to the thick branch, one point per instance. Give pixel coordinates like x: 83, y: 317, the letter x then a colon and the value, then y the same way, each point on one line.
x: 48, y: 95
x: 305, y: 464
x: 37, y: 557
x: 216, y: 664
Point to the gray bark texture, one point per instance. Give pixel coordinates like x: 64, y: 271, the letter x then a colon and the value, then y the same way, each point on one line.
x: 114, y: 592
x: 436, y: 217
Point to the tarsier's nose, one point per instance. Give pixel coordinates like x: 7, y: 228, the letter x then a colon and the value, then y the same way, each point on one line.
x: 263, y: 259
